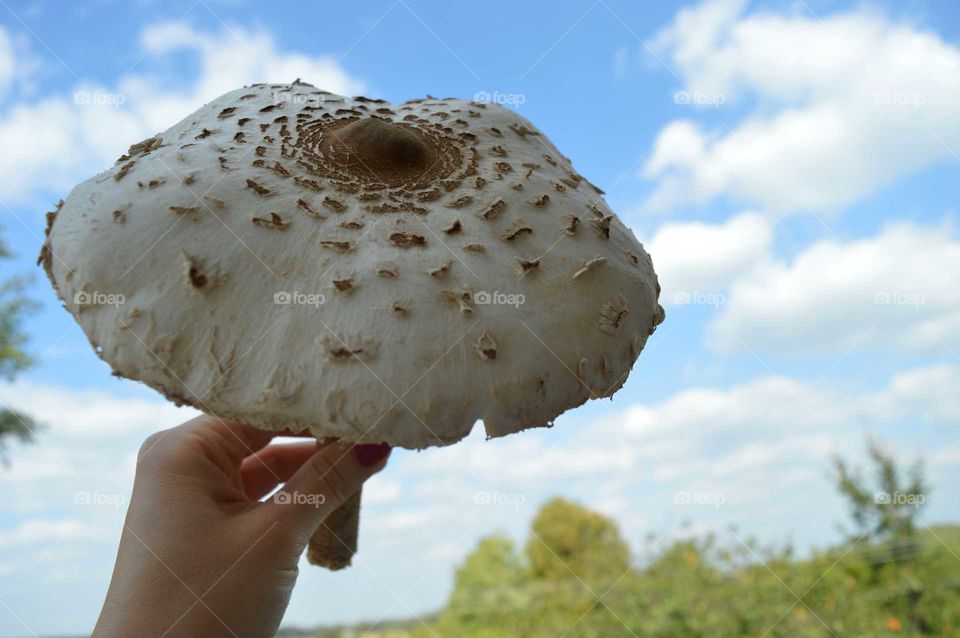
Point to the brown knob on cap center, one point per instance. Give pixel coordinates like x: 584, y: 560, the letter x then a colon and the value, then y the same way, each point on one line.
x: 384, y: 144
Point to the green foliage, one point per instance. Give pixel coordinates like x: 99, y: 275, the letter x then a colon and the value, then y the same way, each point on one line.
x: 573, y: 557
x: 888, y: 510
x: 488, y: 584
x: 14, y: 306
x: 702, y: 588
x: 575, y: 578
x: 567, y: 540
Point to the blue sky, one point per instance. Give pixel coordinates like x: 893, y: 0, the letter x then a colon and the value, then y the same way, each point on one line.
x: 791, y: 166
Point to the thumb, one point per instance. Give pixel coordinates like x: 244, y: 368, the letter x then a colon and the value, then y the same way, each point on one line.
x: 325, y: 480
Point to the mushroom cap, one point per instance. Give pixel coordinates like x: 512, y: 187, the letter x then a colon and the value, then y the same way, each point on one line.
x: 296, y: 259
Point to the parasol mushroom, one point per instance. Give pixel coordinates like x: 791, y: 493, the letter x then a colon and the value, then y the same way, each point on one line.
x: 378, y: 273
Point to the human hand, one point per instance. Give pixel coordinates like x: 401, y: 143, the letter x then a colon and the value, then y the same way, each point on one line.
x: 200, y: 555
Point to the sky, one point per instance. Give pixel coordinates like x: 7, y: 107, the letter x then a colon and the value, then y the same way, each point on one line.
x: 792, y: 168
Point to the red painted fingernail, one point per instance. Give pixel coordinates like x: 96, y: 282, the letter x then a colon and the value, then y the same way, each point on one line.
x: 369, y: 454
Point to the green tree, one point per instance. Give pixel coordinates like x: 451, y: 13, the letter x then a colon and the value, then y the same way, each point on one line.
x: 488, y: 590
x: 888, y: 508
x: 13, y: 358
x: 568, y: 540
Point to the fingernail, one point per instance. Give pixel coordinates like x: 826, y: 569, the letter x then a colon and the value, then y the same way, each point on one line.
x: 369, y: 454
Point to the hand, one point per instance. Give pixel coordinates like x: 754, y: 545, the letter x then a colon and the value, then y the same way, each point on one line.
x: 200, y: 555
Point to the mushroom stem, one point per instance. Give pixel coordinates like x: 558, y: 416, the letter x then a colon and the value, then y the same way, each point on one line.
x: 335, y: 541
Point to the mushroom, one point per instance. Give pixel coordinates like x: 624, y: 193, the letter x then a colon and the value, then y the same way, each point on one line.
x: 369, y: 272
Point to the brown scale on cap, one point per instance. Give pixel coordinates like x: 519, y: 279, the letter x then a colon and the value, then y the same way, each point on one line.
x: 387, y: 270
x: 407, y: 240
x: 187, y: 211
x: 339, y: 246
x: 495, y: 210
x: 519, y: 229
x: 612, y: 315
x: 460, y: 202
x: 461, y: 298
x: 124, y: 170
x: 486, y: 347
x: 257, y: 188
x: 309, y: 210
x: 602, y: 225
x: 441, y: 270
x: 454, y: 228
x: 541, y: 201
x: 334, y: 204
x: 344, y: 284
x: 528, y: 265
x: 273, y: 221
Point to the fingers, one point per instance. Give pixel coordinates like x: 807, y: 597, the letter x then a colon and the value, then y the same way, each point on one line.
x: 273, y: 465
x: 203, y: 444
x: 324, y: 481
x: 233, y: 439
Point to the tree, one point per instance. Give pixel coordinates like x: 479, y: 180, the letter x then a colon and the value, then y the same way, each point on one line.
x: 487, y: 574
x: 568, y: 540
x: 13, y: 358
x: 487, y: 592
x: 889, y: 510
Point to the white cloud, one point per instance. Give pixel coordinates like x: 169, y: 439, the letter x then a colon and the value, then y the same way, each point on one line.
x: 896, y: 289
x: 838, y: 107
x: 58, y: 141
x: 773, y: 423
x: 44, y: 531
x: 379, y: 490
x: 410, y: 519
x: 86, y: 445
x: 91, y: 415
x: 928, y: 393
x: 17, y: 65
x: 695, y: 257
